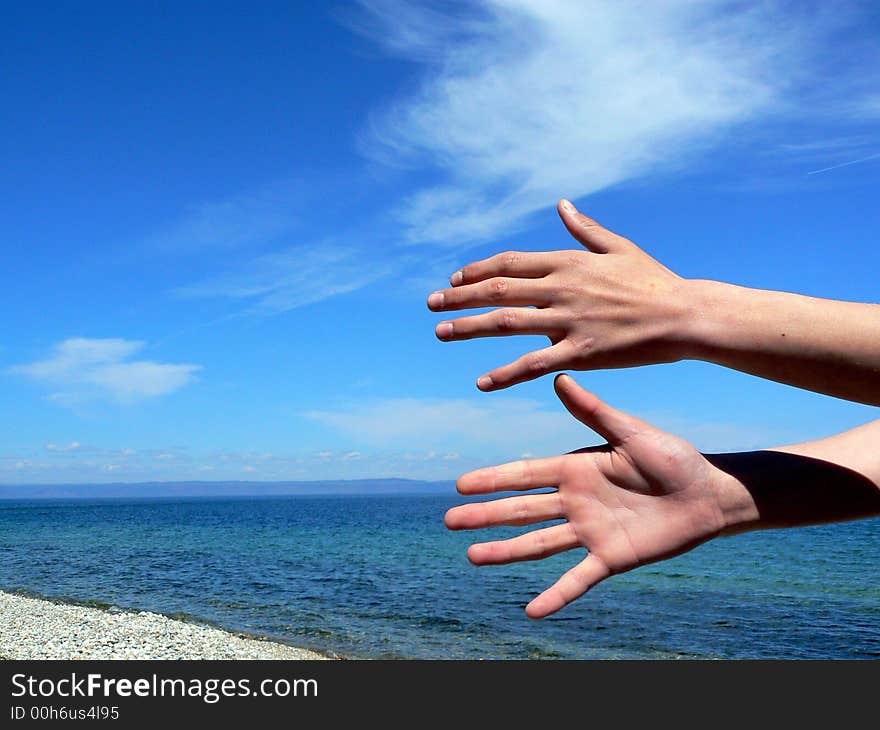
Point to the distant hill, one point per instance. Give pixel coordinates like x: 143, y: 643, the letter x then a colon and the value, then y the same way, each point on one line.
x: 223, y: 489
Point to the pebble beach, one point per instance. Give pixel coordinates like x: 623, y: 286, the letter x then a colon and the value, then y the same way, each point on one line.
x: 32, y: 628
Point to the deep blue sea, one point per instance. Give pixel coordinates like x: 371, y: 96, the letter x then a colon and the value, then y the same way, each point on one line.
x: 379, y: 576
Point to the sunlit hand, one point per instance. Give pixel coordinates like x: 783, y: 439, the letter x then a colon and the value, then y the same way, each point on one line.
x: 610, y: 306
x: 645, y: 496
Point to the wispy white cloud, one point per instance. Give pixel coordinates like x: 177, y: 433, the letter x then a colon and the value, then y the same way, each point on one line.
x: 867, y: 107
x: 86, y: 368
x: 825, y: 146
x: 257, y: 257
x: 524, y: 101
x: 827, y: 153
x: 504, y: 428
x: 292, y: 278
x: 254, y: 218
x: 710, y: 436
x: 454, y: 425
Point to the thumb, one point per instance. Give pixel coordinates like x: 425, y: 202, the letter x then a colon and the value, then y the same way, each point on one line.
x: 589, y: 233
x: 613, y: 425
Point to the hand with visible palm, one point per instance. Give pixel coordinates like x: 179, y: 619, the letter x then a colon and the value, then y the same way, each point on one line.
x: 645, y: 496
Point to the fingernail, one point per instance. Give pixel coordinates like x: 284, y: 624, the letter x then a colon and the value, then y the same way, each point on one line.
x: 436, y: 300
x: 567, y: 205
x: 456, y: 278
x: 485, y: 383
x: 444, y: 330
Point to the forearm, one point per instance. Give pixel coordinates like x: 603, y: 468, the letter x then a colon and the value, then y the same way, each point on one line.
x: 830, y: 480
x: 822, y: 345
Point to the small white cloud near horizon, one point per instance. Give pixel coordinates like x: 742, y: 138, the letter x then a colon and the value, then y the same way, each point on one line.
x: 72, y: 446
x: 413, y: 442
x: 525, y: 101
x: 87, y: 368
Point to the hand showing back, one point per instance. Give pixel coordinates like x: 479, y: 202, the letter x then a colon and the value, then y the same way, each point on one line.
x: 609, y: 306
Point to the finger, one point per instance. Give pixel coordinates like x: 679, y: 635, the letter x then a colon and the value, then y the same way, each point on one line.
x: 613, y: 425
x: 517, y: 475
x: 588, y: 232
x: 528, y: 367
x: 531, y: 546
x: 513, y: 511
x: 501, y: 322
x: 526, y: 265
x: 573, y: 584
x: 492, y: 293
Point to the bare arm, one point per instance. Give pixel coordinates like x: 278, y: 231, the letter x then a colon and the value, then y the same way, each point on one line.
x: 648, y: 495
x: 612, y: 306
x: 829, y: 480
x: 823, y: 345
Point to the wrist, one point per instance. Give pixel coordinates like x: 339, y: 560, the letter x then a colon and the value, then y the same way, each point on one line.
x: 736, y: 505
x: 711, y: 315
x: 679, y: 331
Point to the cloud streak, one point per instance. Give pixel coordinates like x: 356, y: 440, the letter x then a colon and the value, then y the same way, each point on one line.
x: 85, y: 369
x: 845, y: 164
x: 511, y: 424
x: 245, y: 242
x: 250, y: 219
x: 291, y: 278
x: 499, y: 429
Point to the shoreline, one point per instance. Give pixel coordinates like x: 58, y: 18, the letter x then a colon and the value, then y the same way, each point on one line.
x: 50, y: 629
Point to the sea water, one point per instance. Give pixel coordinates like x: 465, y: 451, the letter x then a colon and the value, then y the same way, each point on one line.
x: 380, y: 576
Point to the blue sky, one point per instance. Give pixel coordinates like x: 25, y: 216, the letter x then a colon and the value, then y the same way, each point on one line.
x: 220, y: 221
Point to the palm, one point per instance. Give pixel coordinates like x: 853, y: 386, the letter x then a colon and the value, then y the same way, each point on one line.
x: 645, y: 496
x: 641, y: 502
